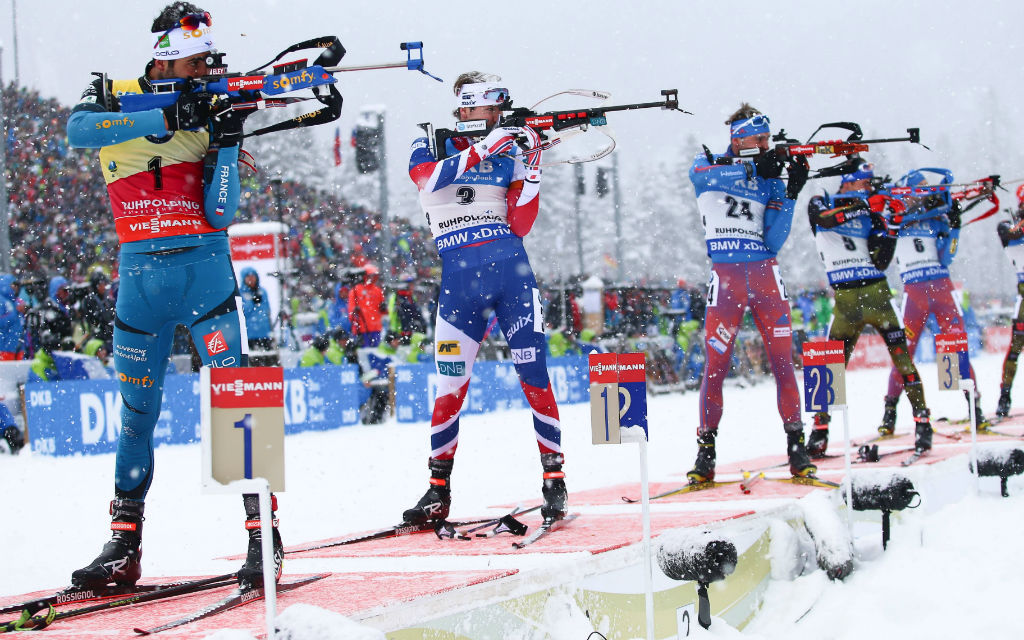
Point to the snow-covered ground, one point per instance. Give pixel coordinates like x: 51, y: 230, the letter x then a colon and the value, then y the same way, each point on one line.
x: 961, y: 558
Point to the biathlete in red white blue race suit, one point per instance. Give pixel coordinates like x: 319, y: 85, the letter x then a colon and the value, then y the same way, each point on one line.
x: 925, y: 247
x: 747, y: 211
x: 856, y: 240
x: 480, y: 200
x: 172, y: 177
x: 1011, y: 235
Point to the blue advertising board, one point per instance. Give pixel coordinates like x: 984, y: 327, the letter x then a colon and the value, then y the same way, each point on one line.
x: 84, y: 416
x: 494, y: 386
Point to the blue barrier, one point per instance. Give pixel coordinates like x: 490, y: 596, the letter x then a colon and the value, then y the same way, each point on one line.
x: 84, y: 416
x: 494, y: 386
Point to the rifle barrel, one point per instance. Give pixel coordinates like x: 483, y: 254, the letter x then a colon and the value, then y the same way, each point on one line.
x: 367, y: 67
x: 630, y: 107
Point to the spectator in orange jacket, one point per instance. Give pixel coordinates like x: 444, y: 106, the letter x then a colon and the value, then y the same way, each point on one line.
x: 365, y: 307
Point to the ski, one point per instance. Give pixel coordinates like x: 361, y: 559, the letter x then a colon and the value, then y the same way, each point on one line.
x: 28, y: 621
x: 488, y: 529
x: 810, y: 481
x: 914, y: 457
x: 749, y: 481
x: 545, y: 528
x: 236, y: 599
x: 686, y: 488
x: 78, y: 595
x: 868, y: 454
x: 396, y: 531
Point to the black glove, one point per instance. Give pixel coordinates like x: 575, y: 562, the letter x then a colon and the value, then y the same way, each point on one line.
x: 954, y: 215
x: 769, y: 164
x: 797, y: 172
x: 257, y: 298
x: 226, y: 126
x: 190, y: 111
x: 933, y: 201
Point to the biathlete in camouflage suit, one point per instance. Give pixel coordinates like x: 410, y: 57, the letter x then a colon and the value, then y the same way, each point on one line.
x: 856, y: 241
x: 747, y: 213
x: 925, y: 247
x: 480, y: 201
x: 1011, y: 234
x: 172, y: 177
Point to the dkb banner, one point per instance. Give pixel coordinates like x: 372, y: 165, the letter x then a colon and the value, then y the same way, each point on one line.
x: 84, y: 417
x: 494, y: 386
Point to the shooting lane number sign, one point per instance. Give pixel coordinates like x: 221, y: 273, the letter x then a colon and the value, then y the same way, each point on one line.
x: 246, y: 425
x: 951, y: 358
x: 618, y: 394
x: 824, y: 375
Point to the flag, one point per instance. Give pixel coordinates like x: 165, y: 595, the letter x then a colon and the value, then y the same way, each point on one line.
x: 337, y: 146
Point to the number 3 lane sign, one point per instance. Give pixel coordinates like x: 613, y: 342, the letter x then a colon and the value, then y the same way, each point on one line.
x: 824, y: 375
x: 951, y: 358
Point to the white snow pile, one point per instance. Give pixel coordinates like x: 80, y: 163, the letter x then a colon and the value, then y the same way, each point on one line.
x: 831, y: 535
x: 306, y: 622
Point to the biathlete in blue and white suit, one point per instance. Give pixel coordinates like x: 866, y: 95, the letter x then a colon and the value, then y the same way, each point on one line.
x: 172, y: 177
x: 856, y: 240
x: 747, y: 211
x: 925, y: 248
x: 479, y: 202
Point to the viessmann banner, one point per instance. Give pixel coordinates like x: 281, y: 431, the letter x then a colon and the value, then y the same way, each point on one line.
x: 84, y: 417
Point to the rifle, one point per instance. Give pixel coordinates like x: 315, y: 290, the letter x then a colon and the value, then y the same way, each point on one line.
x: 248, y: 91
x: 555, y: 122
x: 969, y: 193
x: 851, y: 148
x: 794, y: 150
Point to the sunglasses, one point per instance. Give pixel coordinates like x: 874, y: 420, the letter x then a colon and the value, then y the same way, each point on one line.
x: 191, y: 22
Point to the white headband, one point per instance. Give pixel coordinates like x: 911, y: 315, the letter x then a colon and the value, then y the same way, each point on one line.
x: 182, y: 43
x: 479, y: 94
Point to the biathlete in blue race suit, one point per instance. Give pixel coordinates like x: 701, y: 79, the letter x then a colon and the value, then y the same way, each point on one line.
x: 747, y: 211
x: 172, y: 176
x: 925, y: 247
x: 479, y: 202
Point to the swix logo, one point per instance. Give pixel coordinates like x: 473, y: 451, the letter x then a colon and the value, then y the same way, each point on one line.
x: 245, y: 82
x: 215, y: 343
x: 449, y: 347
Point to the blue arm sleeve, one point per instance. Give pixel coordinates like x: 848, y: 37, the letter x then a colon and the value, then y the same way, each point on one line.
x: 705, y: 175
x: 95, y: 129
x: 778, y: 215
x: 221, y: 200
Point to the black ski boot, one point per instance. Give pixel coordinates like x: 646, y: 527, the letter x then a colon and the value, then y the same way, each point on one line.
x: 922, y: 432
x: 436, y: 502
x: 251, y: 573
x: 704, y: 468
x: 1003, y: 410
x: 15, y: 440
x: 119, y: 561
x: 817, y: 443
x: 888, y: 426
x: 556, y: 498
x: 799, y: 462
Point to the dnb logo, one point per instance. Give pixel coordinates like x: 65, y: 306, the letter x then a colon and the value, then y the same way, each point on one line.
x: 449, y: 348
x: 522, y: 356
x: 215, y: 343
x: 451, y: 368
